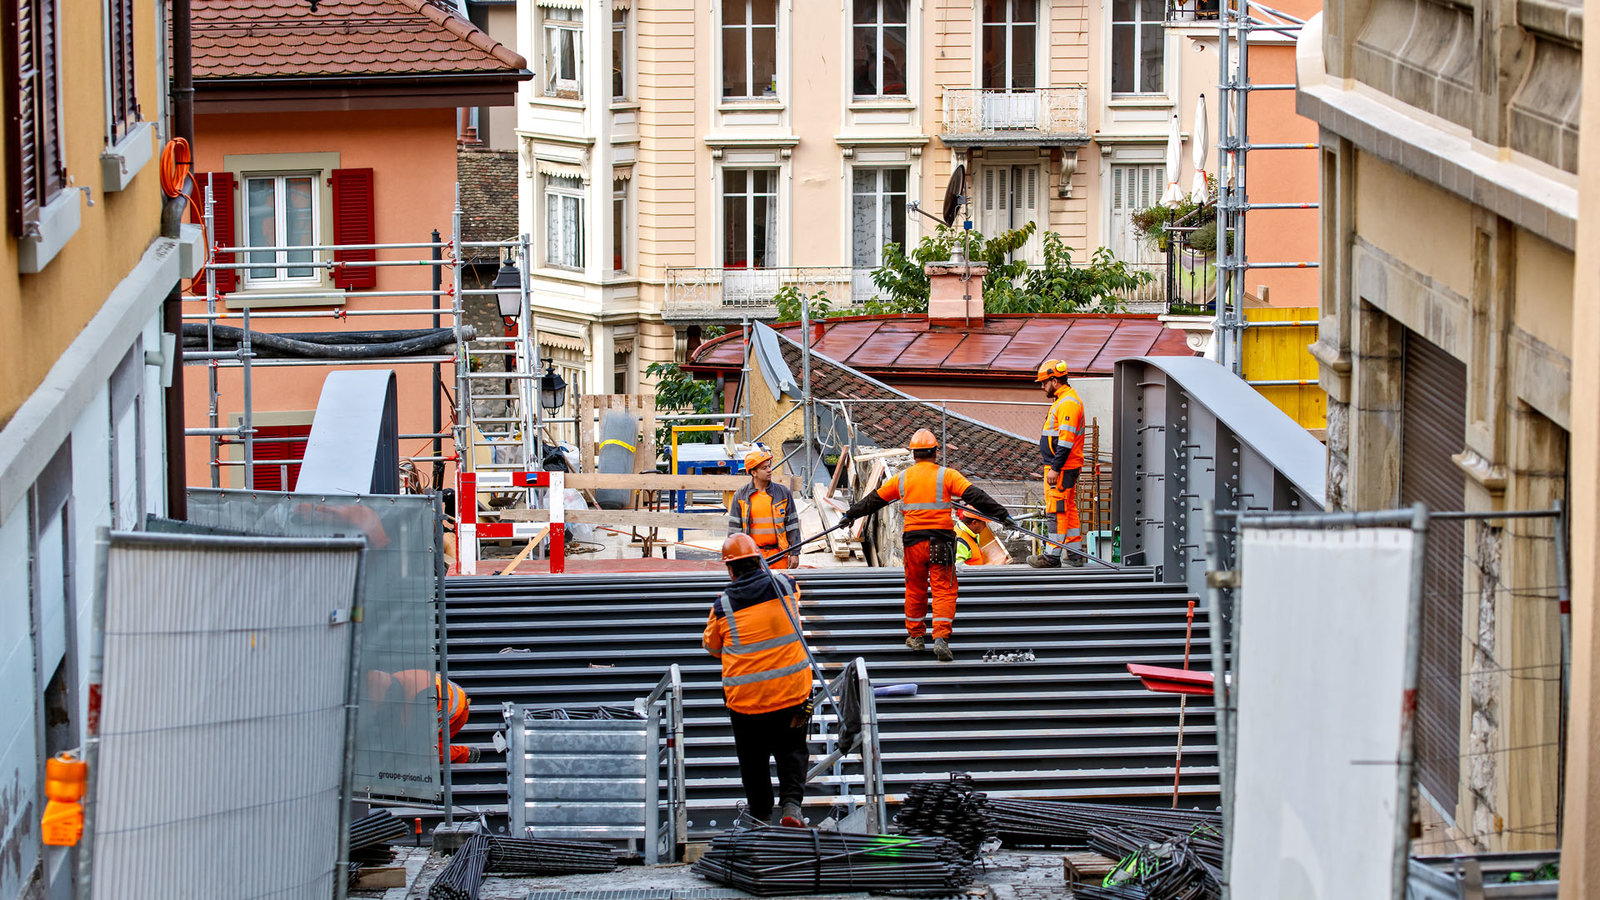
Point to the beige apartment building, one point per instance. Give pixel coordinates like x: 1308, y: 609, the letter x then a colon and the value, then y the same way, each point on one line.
x: 1449, y: 137
x: 683, y: 162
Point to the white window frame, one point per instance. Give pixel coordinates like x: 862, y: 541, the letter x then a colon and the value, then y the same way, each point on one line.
x: 749, y: 196
x: 562, y: 24
x: 280, y: 277
x: 1152, y: 175
x: 1009, y: 25
x: 749, y: 27
x: 1139, y: 24
x: 877, y: 29
x: 886, y: 205
x: 558, y: 189
x: 619, y: 226
x: 620, y: 56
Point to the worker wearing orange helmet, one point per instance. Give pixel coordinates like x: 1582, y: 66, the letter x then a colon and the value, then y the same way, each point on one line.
x: 754, y: 628
x: 1061, y: 449
x: 408, y: 687
x: 925, y: 491
x: 766, y: 512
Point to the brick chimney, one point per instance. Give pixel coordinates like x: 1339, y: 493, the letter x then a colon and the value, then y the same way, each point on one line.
x: 955, y: 292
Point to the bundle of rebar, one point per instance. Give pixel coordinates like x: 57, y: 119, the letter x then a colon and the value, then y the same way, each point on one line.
x: 951, y: 809
x: 376, y: 827
x: 525, y: 856
x: 1059, y: 823
x: 463, y: 877
x: 585, y: 712
x: 773, y: 861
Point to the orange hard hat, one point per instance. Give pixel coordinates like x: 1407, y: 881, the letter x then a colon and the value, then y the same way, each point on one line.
x: 1052, y: 368
x: 755, y: 458
x: 924, y: 440
x: 739, y: 546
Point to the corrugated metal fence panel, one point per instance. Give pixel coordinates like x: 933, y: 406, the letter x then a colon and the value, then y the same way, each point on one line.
x: 397, y: 741
x: 1433, y: 428
x: 586, y: 778
x: 221, y: 759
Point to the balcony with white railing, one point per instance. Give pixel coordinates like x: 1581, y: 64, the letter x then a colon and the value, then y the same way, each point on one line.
x: 709, y: 294
x: 1056, y: 116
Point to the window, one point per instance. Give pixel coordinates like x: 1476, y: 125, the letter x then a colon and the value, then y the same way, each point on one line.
x: 563, y: 222
x: 750, y: 217
x: 878, y: 214
x: 619, y: 54
x: 880, y: 48
x: 124, y: 109
x: 1009, y: 35
x: 620, y: 365
x: 563, y: 53
x: 1137, y: 46
x: 749, y: 49
x: 1133, y: 188
x: 37, y: 172
x: 1008, y: 197
x: 619, y: 218
x: 280, y: 211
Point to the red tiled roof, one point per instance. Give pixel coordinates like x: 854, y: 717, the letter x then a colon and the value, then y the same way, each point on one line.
x: 284, y: 38
x: 1006, y: 346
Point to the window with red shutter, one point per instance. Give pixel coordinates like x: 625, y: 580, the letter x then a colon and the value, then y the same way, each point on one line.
x: 36, y: 171
x: 354, y: 222
x: 222, y: 224
x: 278, y: 450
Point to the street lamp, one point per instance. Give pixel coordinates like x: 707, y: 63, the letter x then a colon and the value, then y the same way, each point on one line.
x: 552, y: 388
x: 508, y: 290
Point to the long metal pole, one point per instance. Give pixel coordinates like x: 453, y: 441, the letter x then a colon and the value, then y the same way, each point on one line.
x: 1408, y: 704
x: 805, y: 390
x: 744, y: 377
x: 247, y: 425
x: 438, y: 374
x: 444, y: 656
x: 1219, y: 679
x: 211, y: 368
x: 463, y: 399
x: 530, y: 353
x: 1236, y: 321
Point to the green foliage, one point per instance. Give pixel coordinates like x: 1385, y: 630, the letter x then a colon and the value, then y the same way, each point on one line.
x: 1153, y: 222
x: 1011, y: 285
x: 788, y: 301
x: 678, y: 391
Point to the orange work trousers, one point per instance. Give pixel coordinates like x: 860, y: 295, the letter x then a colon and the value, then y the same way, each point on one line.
x: 779, y: 563
x: 1064, y: 503
x: 920, y: 576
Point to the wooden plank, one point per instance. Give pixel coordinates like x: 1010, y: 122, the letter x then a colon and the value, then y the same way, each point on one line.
x: 378, y: 879
x: 523, y: 553
x: 645, y: 459
x: 1085, y: 868
x: 586, y: 432
x: 651, y: 481
x: 633, y: 518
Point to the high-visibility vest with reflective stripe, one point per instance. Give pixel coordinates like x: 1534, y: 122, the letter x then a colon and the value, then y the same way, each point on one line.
x: 450, y: 700
x: 1063, y: 425
x: 761, y: 515
x: 970, y: 550
x: 764, y: 665
x: 924, y: 492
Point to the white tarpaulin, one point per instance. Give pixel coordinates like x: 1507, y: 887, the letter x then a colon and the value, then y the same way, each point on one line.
x: 1320, y: 666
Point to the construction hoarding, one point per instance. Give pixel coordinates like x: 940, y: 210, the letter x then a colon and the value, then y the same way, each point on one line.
x: 397, y: 736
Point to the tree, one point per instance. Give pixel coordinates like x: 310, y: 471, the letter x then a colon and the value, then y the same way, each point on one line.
x: 1011, y: 285
x: 678, y: 391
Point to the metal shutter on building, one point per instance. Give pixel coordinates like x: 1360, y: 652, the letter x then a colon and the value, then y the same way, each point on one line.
x: 1433, y: 427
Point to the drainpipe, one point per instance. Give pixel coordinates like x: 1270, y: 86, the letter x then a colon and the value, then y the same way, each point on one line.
x: 172, y: 310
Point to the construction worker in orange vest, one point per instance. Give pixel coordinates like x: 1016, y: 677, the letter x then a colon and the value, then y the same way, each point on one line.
x: 408, y: 686
x: 766, y: 679
x: 925, y: 491
x: 766, y: 512
x: 1061, y: 448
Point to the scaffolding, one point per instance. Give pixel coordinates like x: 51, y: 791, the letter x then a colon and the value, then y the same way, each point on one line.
x: 1237, y: 20
x: 515, y: 355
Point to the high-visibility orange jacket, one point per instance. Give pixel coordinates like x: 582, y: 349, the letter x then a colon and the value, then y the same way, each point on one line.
x: 752, y: 630
x: 925, y: 491
x: 1061, y: 438
x: 768, y: 516
x: 452, y: 703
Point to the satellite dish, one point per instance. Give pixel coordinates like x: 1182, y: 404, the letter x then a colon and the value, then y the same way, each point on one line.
x: 954, y: 194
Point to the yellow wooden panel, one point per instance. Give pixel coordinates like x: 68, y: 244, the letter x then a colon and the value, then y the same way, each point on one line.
x: 1280, y: 353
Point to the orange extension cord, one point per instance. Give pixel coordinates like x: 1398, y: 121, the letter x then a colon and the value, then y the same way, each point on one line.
x: 176, y: 164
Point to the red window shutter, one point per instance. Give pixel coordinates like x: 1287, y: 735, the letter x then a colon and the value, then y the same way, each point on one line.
x: 222, y: 223
x: 271, y: 452
x: 354, y: 223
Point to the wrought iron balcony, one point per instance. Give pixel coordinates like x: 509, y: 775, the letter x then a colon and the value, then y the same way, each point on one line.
x: 719, y: 295
x: 1056, y: 116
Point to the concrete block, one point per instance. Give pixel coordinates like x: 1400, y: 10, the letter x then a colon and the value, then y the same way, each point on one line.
x: 449, y: 838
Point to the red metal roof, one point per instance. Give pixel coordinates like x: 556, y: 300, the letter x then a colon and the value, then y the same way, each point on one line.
x: 1006, y: 346
x: 282, y: 38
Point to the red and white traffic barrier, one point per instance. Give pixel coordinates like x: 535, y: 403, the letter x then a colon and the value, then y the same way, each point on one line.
x: 469, y: 531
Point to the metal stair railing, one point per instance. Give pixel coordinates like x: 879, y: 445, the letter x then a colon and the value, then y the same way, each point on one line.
x: 872, y: 800
x: 600, y: 779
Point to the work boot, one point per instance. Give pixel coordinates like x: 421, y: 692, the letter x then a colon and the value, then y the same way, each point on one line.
x: 941, y: 651
x: 1044, y: 561
x: 916, y: 642
x: 790, y: 816
x: 474, y: 754
x: 1076, y: 561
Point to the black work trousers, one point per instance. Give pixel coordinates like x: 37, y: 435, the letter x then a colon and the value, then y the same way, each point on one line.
x: 778, y: 736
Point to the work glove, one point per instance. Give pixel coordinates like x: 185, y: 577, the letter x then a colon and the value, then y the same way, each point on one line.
x: 845, y: 518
